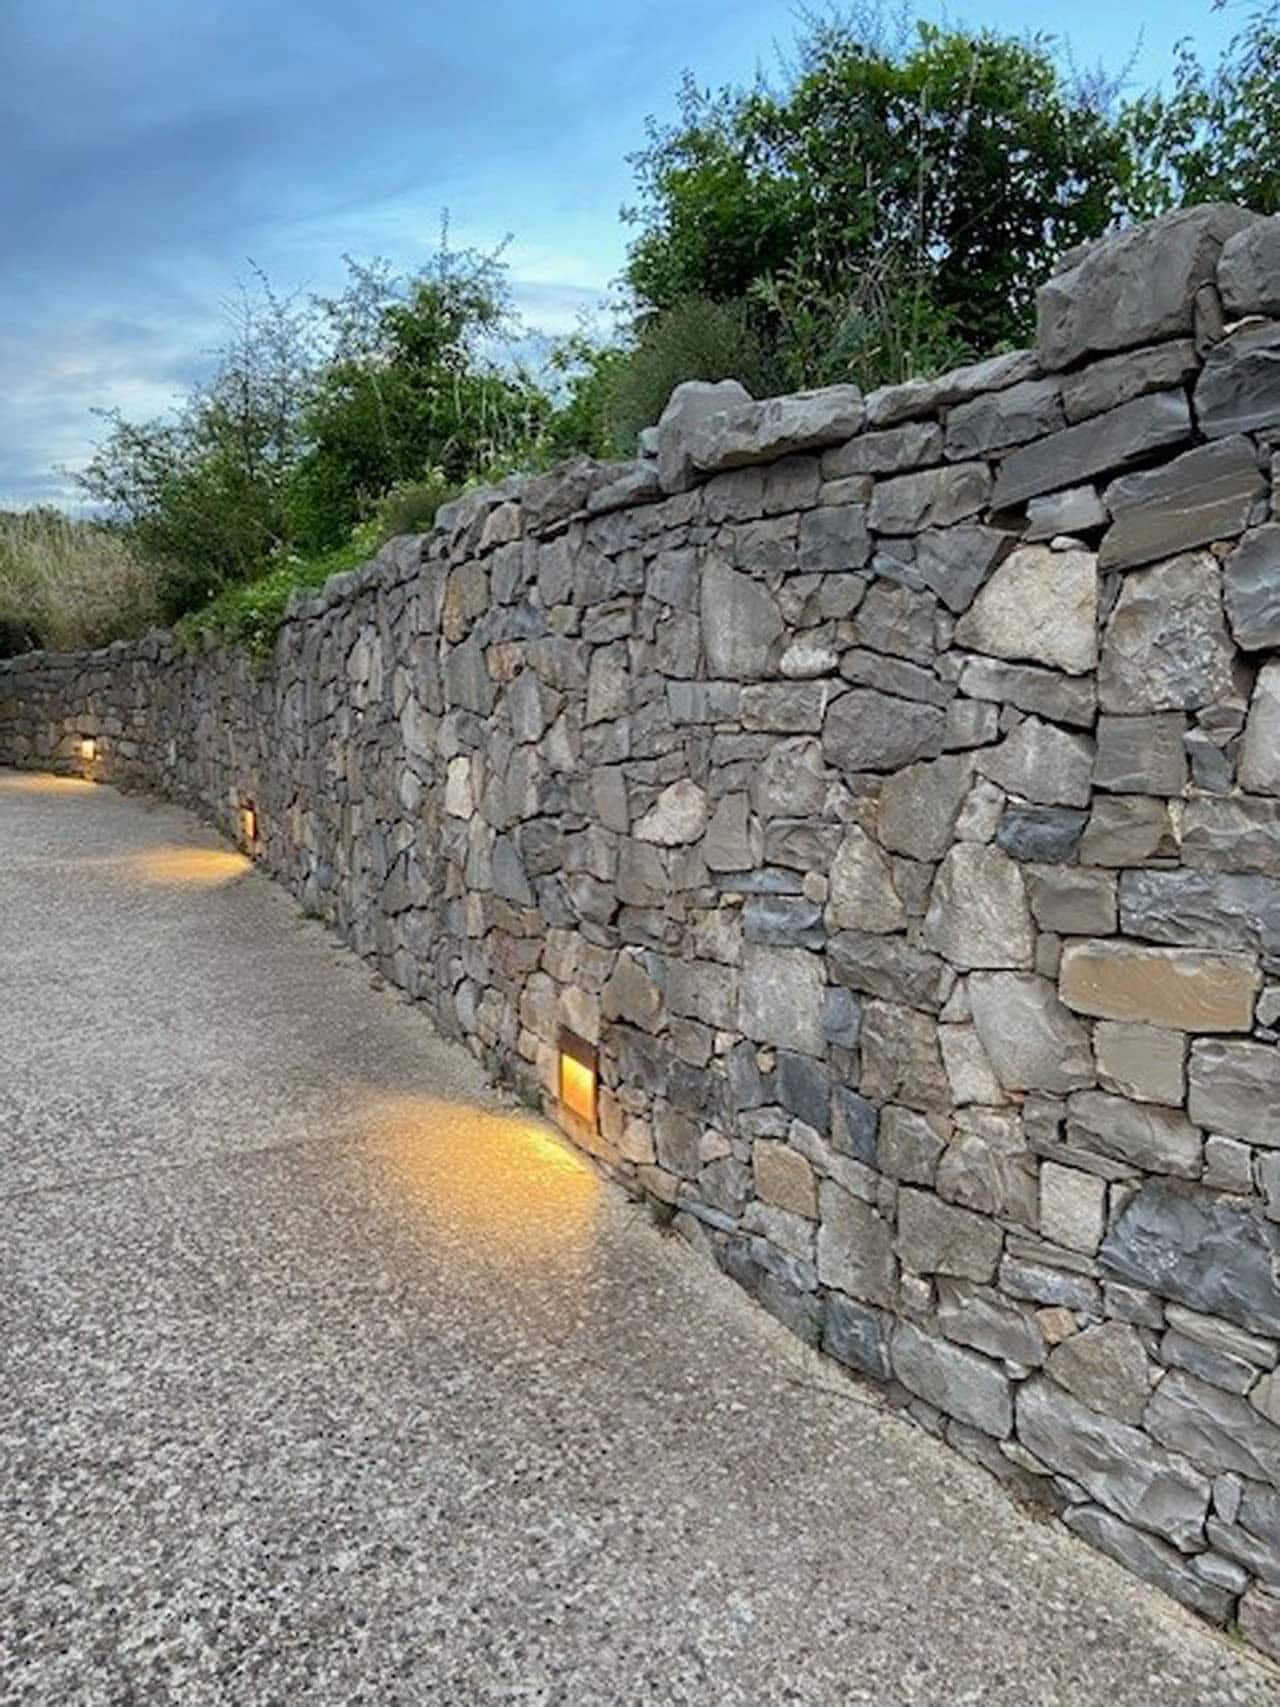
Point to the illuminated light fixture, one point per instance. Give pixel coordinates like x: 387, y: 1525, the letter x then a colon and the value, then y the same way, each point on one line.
x: 88, y: 748
x: 249, y: 822
x: 578, y: 1063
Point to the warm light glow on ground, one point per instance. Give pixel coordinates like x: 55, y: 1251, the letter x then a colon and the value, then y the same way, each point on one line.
x: 501, y: 1187
x: 43, y: 782
x: 200, y: 868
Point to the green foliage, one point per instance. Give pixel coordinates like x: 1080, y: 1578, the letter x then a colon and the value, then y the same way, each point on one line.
x: 249, y: 613
x: 66, y: 584
x: 1216, y: 135
x: 948, y: 165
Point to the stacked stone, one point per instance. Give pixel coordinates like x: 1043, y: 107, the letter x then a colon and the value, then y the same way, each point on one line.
x: 890, y: 788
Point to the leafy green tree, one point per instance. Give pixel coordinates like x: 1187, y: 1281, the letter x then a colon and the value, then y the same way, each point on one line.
x: 1215, y: 135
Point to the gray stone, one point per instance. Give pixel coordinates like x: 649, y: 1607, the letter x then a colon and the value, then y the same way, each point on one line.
x: 690, y: 404
x: 901, y: 1060
x: 1040, y: 605
x: 1251, y: 587
x: 1215, y: 1429
x: 1053, y: 1288
x: 1152, y: 1560
x: 1203, y: 495
x: 1228, y: 1165
x: 1106, y: 384
x: 1114, y: 440
x: 1239, y: 388
x: 1157, y: 1140
x: 1166, y: 646
x: 857, y: 1336
x: 740, y: 621
x: 855, y: 1248
x: 898, y: 621
x: 894, y: 676
x: 938, y: 1238
x: 1047, y: 693
x: 1141, y: 755
x: 1116, y: 1463
x: 1132, y: 288
x: 888, y: 966
x: 870, y: 731
x: 955, y: 561
x: 920, y: 804
x: 892, y: 451
x: 732, y: 841
x: 909, y: 503
x: 978, y: 1317
x: 1209, y: 1253
x: 1235, y: 1089
x: 632, y: 994
x: 678, y: 815
x: 1077, y: 510
x: 862, y: 895
x: 923, y: 396
x: 1249, y: 270
x: 780, y: 998
x: 1106, y: 1368
x: 1240, y: 835
x: 909, y: 1145
x: 1206, y: 909
x: 1042, y: 764
x: 783, y: 921
x: 1260, y: 756
x: 1033, y: 1042
x: 510, y: 880
x: 1145, y: 1062
x: 957, y: 1381
x: 745, y: 432
x: 973, y: 1078
x: 999, y: 419
x: 1040, y: 833
x: 978, y: 914
x: 1126, y: 829
x: 1232, y: 1374
x: 784, y: 708
x: 833, y: 539
x: 1073, y: 1207
x: 1072, y: 901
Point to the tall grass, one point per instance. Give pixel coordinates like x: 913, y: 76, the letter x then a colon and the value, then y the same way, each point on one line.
x: 67, y: 583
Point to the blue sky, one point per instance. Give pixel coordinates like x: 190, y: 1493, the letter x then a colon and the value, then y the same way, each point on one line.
x: 152, y: 147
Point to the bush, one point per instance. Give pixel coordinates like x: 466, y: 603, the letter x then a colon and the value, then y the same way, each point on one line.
x: 249, y: 613
x: 66, y: 584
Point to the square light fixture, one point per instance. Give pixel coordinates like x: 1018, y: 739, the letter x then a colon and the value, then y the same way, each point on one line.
x: 579, y: 1064
x: 249, y: 822
x: 88, y: 748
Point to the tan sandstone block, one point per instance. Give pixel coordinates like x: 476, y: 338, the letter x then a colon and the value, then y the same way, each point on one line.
x: 1189, y: 989
x: 784, y: 1178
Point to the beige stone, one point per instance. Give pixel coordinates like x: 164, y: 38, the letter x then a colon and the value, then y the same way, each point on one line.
x: 1056, y: 1324
x: 1146, y: 1062
x: 784, y: 1178
x: 1188, y: 989
x: 1073, y: 1207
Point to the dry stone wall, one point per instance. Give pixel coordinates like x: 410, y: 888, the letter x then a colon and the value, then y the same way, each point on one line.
x: 890, y: 787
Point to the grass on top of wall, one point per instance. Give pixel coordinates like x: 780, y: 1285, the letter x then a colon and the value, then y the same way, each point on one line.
x: 249, y: 613
x: 67, y: 584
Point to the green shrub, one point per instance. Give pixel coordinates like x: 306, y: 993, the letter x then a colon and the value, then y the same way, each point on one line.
x: 249, y: 613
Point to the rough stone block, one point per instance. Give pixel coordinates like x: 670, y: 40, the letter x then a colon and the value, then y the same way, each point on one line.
x: 783, y: 1177
x: 1249, y: 270
x: 740, y: 621
x: 1166, y: 646
x: 1260, y: 756
x: 959, y: 1382
x: 690, y: 404
x: 1251, y: 588
x: 1235, y: 835
x: 1217, y: 1430
x: 857, y: 1336
x: 936, y: 497
x: 1204, y: 495
x: 870, y: 731
x: 1127, y: 830
x: 901, y: 1060
x: 1073, y: 1207
x: 1157, y: 1140
x: 1071, y: 900
x: 1042, y: 764
x: 781, y: 998
x: 855, y: 1248
x: 1031, y: 1039
x: 1188, y: 989
x: 978, y: 914
x: 1202, y: 908
x: 1235, y: 1089
x: 999, y: 419
x: 1106, y: 1368
x: 1106, y: 384
x: 1040, y: 605
x: 746, y: 432
x: 1152, y: 1560
x: 891, y: 451
x: 1076, y: 511
x: 862, y: 895
x: 1239, y: 388
x: 938, y: 1238
x: 979, y: 1317
x: 1115, y: 440
x: 1145, y: 1062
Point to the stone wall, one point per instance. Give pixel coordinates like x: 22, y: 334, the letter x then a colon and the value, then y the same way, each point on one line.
x: 889, y: 787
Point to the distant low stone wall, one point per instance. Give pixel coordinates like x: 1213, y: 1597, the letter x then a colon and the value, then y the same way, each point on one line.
x: 890, y: 788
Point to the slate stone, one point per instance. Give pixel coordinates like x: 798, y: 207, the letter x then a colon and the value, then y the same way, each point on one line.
x: 901, y: 1060
x: 1241, y: 834
x: 1077, y: 510
x: 1209, y: 1253
x: 870, y: 731
x: 979, y: 1317
x: 1141, y: 755
x: 783, y: 708
x: 1072, y: 901
x: 803, y: 1088
x: 1116, y: 1463
x: 1040, y: 605
x: 1126, y: 829
x: 1133, y: 287
x: 833, y: 539
x: 1040, y: 833
x: 1106, y: 384
x: 1145, y: 1062
x: 1166, y: 646
x: 1114, y: 440
x: 1105, y: 1367
x: 783, y: 921
x: 999, y: 419
x: 740, y: 621
x: 732, y: 841
x: 857, y: 1336
x: 854, y: 1125
x: 939, y: 1238
x: 1239, y: 388
x: 887, y: 966
x: 1204, y: 495
x: 1046, y: 693
x: 919, y: 806
x: 1202, y: 909
x: 1152, y: 1560
x: 958, y: 1382
x: 1073, y: 1207
x: 1251, y: 588
x: 909, y: 1148
x: 955, y: 561
x: 1235, y: 1089
x: 892, y: 451
x: 1157, y: 1140
x: 678, y: 815
x: 1033, y: 1041
x: 1218, y: 1431
x: 1042, y: 764
x: 862, y: 895
x: 909, y: 503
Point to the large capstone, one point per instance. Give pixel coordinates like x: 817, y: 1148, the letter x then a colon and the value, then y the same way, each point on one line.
x: 1239, y: 388
x: 1204, y: 495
